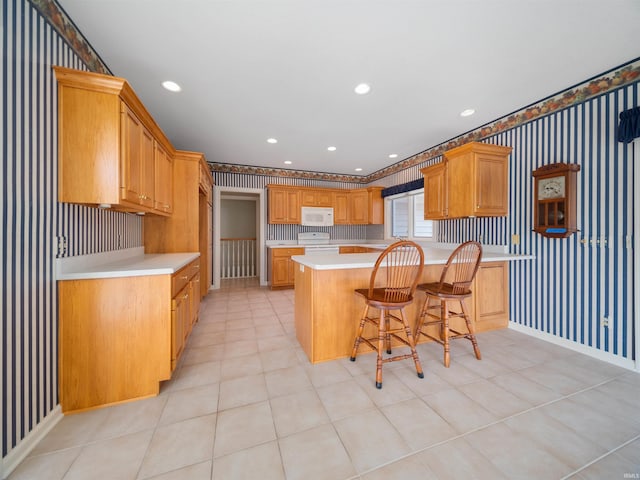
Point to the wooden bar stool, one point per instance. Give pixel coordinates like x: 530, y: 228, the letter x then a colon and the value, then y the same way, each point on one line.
x: 391, y: 287
x: 454, y: 285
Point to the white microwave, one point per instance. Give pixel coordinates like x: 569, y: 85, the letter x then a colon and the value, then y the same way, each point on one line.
x: 317, y: 216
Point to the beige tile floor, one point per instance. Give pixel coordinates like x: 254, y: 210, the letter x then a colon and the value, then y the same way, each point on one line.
x: 245, y: 403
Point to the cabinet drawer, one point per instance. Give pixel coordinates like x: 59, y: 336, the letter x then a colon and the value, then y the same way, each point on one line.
x: 287, y: 252
x: 180, y: 279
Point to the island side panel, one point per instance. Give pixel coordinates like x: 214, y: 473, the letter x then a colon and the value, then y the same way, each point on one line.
x: 303, y: 307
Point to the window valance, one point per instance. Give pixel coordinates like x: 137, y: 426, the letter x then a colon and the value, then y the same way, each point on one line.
x: 405, y: 187
x: 629, y: 127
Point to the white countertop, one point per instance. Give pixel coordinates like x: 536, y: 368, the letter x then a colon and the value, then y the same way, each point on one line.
x: 433, y: 256
x: 131, y: 262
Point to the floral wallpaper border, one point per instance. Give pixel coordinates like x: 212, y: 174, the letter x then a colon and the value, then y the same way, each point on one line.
x: 56, y: 16
x: 612, y: 80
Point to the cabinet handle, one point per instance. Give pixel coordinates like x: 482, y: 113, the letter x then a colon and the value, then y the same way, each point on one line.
x: 184, y: 277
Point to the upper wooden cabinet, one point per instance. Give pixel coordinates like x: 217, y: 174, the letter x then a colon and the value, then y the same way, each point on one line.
x: 341, y: 204
x: 471, y: 181
x: 360, y: 206
x: 366, y: 206
x: 435, y: 188
x: 284, y: 204
x: 163, y: 190
x: 316, y: 198
x: 108, y: 145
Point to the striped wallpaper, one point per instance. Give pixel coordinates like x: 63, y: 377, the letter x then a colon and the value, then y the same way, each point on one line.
x: 33, y: 222
x: 565, y: 292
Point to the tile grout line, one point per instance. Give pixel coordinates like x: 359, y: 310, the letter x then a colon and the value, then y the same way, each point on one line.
x: 462, y: 435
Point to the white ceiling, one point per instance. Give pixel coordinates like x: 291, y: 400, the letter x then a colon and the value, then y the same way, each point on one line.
x: 254, y: 69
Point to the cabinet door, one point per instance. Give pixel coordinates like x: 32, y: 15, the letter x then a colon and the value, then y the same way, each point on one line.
x: 163, y: 191
x: 491, y: 185
x: 179, y: 312
x: 491, y: 293
x: 284, y: 205
x: 137, y: 161
x: 359, y: 207
x: 131, y: 157
x: 341, y: 208
x: 147, y: 168
x: 435, y: 191
x: 375, y: 205
x: 280, y: 271
x: 195, y: 298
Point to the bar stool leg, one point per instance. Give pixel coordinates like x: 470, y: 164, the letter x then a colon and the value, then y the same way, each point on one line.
x: 471, y: 329
x: 356, y: 344
x: 381, y: 340
x: 412, y: 345
x: 444, y: 315
x: 388, y: 336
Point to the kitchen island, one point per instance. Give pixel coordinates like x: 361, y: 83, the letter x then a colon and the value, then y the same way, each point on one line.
x: 327, y: 311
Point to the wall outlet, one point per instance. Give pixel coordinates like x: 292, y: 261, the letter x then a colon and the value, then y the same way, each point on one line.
x: 62, y: 246
x: 515, y: 239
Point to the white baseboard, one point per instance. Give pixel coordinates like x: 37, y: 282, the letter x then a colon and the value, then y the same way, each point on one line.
x: 577, y: 347
x: 28, y: 443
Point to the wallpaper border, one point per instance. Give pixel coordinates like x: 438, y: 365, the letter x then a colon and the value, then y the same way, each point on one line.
x: 603, y: 83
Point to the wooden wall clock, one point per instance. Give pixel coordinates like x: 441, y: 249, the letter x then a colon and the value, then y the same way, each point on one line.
x: 555, y: 200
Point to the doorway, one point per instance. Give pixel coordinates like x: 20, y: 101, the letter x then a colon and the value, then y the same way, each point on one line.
x: 238, y: 234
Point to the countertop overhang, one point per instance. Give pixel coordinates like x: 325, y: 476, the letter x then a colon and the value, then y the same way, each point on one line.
x: 433, y: 256
x: 130, y: 262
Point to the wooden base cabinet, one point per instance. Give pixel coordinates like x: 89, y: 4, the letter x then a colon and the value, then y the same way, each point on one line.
x: 282, y: 267
x: 114, y: 340
x: 185, y: 305
x: 120, y: 337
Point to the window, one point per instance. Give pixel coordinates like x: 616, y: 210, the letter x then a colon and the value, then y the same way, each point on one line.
x: 405, y: 214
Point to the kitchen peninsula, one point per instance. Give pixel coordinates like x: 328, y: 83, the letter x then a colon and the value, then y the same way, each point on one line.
x: 327, y: 310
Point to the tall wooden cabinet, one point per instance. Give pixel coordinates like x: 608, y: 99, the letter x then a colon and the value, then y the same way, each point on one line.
x: 471, y: 181
x: 188, y: 229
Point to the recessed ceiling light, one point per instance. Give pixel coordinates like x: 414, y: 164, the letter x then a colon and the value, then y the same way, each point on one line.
x: 331, y: 149
x: 467, y: 113
x: 288, y: 162
x: 171, y: 86
x: 363, y: 89
x: 358, y: 169
x: 272, y: 140
x: 393, y: 155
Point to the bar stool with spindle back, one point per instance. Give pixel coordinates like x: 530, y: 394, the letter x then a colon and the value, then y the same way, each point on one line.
x: 454, y: 285
x: 391, y: 287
